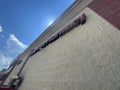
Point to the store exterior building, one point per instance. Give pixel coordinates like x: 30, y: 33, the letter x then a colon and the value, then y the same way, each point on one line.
x: 79, y: 51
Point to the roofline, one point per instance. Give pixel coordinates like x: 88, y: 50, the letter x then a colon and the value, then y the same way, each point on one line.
x: 76, y: 7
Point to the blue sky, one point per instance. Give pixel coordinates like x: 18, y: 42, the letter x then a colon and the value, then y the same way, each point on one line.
x: 22, y: 21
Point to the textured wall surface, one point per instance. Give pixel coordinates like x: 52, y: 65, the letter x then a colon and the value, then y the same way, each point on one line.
x: 87, y: 58
x: 15, y: 71
x: 74, y: 9
x: 108, y: 9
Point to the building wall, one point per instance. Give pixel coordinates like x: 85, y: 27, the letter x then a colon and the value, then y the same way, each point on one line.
x: 73, y: 10
x: 108, y: 9
x: 86, y: 58
x: 15, y: 70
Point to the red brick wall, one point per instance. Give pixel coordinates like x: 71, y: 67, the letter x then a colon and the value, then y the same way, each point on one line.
x: 108, y: 9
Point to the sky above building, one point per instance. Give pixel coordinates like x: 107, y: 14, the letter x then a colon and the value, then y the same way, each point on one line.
x: 22, y: 21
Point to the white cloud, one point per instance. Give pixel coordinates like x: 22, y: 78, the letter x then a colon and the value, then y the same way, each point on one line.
x: 4, y: 61
x: 0, y: 28
x: 12, y: 49
x: 14, y: 46
x: 13, y: 38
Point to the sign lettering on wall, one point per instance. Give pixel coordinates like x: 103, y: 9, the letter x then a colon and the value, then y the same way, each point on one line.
x: 80, y: 20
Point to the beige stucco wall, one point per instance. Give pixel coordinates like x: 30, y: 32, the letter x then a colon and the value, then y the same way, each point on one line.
x: 15, y: 70
x: 87, y: 58
x: 74, y: 9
